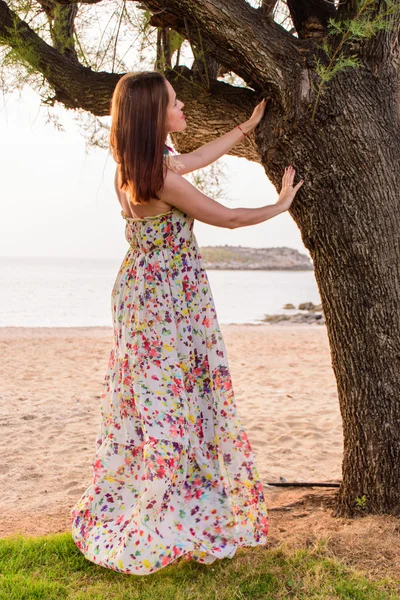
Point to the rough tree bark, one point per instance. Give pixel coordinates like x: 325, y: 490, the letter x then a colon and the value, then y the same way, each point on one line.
x: 348, y: 210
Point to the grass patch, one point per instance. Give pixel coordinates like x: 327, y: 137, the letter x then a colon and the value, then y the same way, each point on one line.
x: 52, y: 568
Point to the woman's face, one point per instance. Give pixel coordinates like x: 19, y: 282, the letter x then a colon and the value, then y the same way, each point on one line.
x: 175, y: 118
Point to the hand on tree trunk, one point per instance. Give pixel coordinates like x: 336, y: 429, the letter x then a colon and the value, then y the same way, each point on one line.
x: 288, y: 192
x: 258, y: 113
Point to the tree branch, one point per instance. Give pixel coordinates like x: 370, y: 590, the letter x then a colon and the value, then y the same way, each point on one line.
x: 61, y: 20
x: 238, y: 37
x: 211, y: 112
x: 75, y: 86
x: 267, y: 8
x: 163, y: 58
x: 260, y: 52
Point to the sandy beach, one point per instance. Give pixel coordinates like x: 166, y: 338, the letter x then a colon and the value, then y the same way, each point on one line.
x: 51, y: 381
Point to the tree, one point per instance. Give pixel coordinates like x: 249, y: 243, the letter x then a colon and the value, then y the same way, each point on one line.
x: 332, y: 72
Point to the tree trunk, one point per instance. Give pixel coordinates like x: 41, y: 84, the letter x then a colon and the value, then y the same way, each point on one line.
x: 350, y: 223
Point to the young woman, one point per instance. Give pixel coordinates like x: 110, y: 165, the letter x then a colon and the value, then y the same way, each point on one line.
x: 174, y: 474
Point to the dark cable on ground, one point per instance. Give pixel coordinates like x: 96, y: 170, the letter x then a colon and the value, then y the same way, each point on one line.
x: 297, y: 484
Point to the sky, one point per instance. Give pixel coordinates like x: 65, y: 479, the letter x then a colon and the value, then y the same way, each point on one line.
x: 58, y: 199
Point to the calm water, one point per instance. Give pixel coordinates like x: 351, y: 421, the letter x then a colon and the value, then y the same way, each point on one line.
x: 71, y: 292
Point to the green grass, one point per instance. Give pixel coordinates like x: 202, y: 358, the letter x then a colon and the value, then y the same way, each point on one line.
x: 52, y: 568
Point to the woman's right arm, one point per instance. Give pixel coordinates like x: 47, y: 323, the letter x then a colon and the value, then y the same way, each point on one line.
x: 180, y: 193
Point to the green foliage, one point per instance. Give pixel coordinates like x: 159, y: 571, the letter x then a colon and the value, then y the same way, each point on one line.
x: 58, y: 27
x: 361, y: 502
x: 22, y: 50
x: 175, y: 41
x: 346, y: 33
x: 342, y: 62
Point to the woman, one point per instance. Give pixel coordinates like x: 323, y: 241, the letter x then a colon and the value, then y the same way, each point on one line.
x: 174, y: 474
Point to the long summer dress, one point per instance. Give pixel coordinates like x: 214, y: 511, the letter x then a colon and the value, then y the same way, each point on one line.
x: 174, y: 474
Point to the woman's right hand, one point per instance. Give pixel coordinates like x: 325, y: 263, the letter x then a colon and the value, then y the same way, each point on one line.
x: 288, y: 192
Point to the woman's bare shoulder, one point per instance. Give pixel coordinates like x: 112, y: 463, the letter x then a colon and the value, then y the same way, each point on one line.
x: 154, y: 207
x: 172, y: 179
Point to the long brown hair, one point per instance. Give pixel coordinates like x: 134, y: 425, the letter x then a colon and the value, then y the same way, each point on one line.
x: 138, y: 133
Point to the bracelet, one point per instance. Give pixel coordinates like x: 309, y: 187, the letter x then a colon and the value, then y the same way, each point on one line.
x: 242, y: 131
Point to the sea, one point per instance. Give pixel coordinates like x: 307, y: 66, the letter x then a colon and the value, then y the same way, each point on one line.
x: 76, y: 292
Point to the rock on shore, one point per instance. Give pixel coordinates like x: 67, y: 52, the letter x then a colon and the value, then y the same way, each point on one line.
x: 312, y: 314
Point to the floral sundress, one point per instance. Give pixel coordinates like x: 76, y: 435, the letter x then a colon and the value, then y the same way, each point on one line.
x: 174, y: 474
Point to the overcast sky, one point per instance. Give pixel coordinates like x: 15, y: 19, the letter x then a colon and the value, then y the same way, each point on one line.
x: 57, y: 200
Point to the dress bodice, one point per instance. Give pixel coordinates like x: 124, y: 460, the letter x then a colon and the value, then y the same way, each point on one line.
x: 169, y: 231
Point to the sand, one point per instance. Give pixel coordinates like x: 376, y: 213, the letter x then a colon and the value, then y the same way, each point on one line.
x: 51, y: 381
x: 285, y: 390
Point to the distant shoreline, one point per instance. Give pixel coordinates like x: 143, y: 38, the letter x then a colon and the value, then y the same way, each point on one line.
x: 212, y: 267
x: 241, y: 258
x: 215, y: 258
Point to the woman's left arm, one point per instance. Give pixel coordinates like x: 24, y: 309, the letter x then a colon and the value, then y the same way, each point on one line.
x: 212, y: 151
